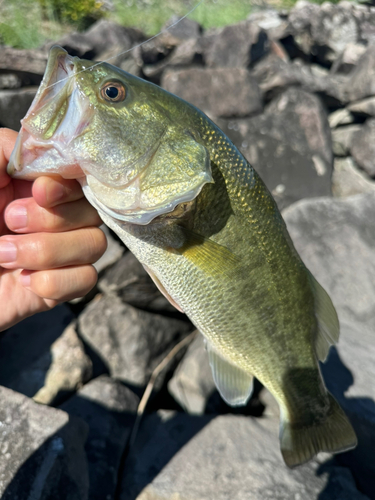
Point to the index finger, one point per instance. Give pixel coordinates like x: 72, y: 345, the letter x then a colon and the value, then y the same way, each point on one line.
x: 7, y: 140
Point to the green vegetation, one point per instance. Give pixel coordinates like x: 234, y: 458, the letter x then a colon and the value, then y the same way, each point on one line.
x: 28, y: 23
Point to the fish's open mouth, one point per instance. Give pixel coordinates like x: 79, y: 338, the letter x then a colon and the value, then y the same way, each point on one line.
x: 51, y: 123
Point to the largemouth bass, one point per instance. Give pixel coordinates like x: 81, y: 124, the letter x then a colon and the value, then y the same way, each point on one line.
x: 184, y: 200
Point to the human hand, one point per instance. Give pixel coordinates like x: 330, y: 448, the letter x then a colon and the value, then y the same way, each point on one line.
x: 48, y: 241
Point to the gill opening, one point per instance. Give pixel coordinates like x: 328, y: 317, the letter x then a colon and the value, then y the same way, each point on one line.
x: 132, y: 48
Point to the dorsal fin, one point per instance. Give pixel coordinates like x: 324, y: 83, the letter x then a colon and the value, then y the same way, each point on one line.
x: 328, y: 323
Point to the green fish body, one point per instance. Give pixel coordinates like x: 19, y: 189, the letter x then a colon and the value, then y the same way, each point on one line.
x: 205, y: 227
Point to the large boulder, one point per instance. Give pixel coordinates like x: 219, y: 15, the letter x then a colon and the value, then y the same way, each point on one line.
x: 289, y: 146
x: 336, y: 240
x: 42, y: 451
x: 130, y: 342
x: 362, y: 147
x: 216, y: 91
x: 236, y: 457
x: 108, y: 408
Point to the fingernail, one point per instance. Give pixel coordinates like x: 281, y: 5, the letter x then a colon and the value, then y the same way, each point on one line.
x: 8, y: 252
x: 57, y: 193
x: 25, y: 279
x: 16, y: 217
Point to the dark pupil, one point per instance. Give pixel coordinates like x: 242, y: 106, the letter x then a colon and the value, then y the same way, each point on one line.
x: 111, y: 92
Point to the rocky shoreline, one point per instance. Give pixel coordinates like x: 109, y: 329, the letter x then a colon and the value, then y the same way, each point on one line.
x: 295, y: 92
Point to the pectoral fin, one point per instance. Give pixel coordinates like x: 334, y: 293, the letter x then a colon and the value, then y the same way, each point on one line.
x: 234, y: 385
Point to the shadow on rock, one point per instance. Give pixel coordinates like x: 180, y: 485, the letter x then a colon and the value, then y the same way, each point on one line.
x: 361, y: 412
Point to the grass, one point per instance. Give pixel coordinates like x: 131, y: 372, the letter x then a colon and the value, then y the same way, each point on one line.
x: 26, y: 24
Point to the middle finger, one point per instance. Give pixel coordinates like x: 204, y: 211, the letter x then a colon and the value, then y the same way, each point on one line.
x: 26, y: 216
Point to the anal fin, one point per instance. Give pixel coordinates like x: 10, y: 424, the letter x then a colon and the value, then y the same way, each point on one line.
x: 234, y: 384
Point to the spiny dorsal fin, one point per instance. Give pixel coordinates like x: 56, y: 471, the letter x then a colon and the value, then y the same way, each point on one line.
x: 328, y: 323
x: 234, y: 385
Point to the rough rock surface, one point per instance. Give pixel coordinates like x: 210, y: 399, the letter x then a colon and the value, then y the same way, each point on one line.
x: 335, y: 239
x: 70, y: 368
x: 363, y: 147
x: 108, y: 408
x: 347, y: 180
x: 361, y: 81
x: 180, y: 456
x: 289, y: 146
x: 42, y: 451
x: 130, y: 342
x: 25, y: 349
x: 207, y: 89
x: 342, y: 139
x: 13, y: 106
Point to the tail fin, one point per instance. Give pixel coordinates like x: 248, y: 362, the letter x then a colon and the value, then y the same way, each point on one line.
x: 335, y: 435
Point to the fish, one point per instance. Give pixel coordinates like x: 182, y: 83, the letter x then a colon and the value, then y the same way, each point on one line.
x: 203, y: 224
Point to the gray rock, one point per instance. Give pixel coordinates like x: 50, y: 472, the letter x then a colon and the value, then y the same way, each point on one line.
x: 10, y: 81
x: 299, y: 19
x: 23, y: 61
x: 340, y: 117
x: 192, y: 383
x: 26, y: 349
x: 270, y: 21
x: 336, y: 240
x: 333, y: 28
x: 274, y: 74
x: 70, y: 368
x: 130, y: 342
x: 179, y: 30
x: 217, y: 92
x: 109, y: 408
x: 363, y: 147
x: 14, y: 105
x: 361, y: 82
x: 236, y: 457
x: 289, y: 146
x: 347, y: 180
x: 364, y: 107
x: 42, y: 451
x: 348, y: 58
x: 236, y: 46
x: 342, y: 139
x: 130, y: 281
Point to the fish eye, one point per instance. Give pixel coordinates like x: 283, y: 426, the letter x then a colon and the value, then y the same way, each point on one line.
x: 113, y: 92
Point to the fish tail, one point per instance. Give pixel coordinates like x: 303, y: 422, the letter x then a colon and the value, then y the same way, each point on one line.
x: 334, y: 434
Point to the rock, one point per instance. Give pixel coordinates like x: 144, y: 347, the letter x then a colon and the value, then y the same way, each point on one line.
x: 289, y: 146
x: 130, y: 342
x: 177, y: 30
x: 109, y: 409
x: 299, y: 24
x: 217, y: 92
x: 347, y: 180
x: 271, y: 22
x: 364, y: 107
x: 14, y: 105
x: 236, y: 46
x: 42, y: 451
x: 192, y: 384
x: 180, y: 456
x: 10, y: 81
x: 342, y: 139
x: 333, y: 28
x: 348, y: 58
x: 363, y: 147
x: 336, y: 240
x: 131, y: 282
x: 112, y: 254
x: 361, y: 82
x: 24, y: 61
x: 69, y: 370
x: 25, y: 349
x: 340, y: 117
x: 274, y: 75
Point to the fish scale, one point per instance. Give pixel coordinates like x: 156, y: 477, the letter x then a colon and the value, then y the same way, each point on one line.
x: 199, y: 218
